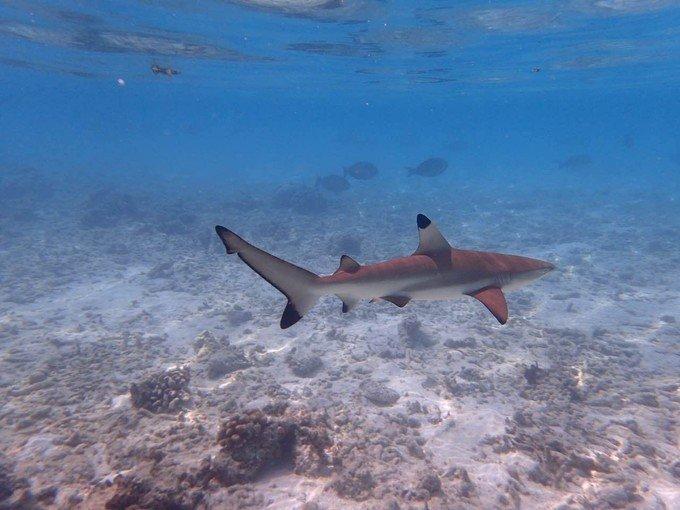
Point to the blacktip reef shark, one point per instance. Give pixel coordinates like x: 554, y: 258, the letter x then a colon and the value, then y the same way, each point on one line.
x: 435, y: 271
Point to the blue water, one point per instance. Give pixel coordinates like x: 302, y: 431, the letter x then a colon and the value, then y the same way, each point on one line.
x: 267, y: 92
x: 559, y: 122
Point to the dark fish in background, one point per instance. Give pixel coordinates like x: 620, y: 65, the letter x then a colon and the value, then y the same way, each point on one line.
x: 300, y: 199
x: 628, y: 141
x: 363, y: 170
x: 344, y: 243
x: 575, y: 162
x: 333, y: 182
x: 431, y: 167
x: 167, y: 71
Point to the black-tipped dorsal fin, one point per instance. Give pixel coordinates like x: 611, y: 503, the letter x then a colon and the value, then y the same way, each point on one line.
x: 431, y: 240
x: 348, y: 264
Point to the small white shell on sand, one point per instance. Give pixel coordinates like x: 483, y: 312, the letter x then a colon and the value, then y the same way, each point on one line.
x: 120, y: 401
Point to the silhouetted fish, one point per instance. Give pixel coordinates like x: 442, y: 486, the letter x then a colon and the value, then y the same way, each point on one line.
x: 363, y: 170
x: 333, y: 182
x: 575, y: 161
x: 431, y: 167
x: 168, y: 71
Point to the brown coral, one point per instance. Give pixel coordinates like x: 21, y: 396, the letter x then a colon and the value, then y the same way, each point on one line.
x: 253, y: 442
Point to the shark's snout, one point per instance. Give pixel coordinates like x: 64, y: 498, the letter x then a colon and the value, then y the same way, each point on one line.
x: 547, y: 267
x: 537, y: 269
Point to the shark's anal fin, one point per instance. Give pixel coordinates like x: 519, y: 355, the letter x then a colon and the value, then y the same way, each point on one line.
x: 432, y: 243
x: 400, y: 301
x: 494, y: 299
x: 348, y: 303
x: 348, y: 265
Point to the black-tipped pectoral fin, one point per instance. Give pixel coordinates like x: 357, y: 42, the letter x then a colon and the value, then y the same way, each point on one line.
x: 494, y: 300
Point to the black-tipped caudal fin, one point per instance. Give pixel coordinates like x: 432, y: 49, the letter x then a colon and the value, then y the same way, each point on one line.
x: 297, y: 284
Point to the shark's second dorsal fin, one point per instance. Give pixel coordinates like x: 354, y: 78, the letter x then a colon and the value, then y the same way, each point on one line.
x: 348, y: 265
x: 432, y: 241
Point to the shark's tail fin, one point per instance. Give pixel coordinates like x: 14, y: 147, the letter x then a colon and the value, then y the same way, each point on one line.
x: 295, y: 283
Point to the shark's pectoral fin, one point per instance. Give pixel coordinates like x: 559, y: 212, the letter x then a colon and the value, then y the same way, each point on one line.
x: 348, y: 303
x: 494, y: 299
x: 348, y: 265
x: 400, y: 301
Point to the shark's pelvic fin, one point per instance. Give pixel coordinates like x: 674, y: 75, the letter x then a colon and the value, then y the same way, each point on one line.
x: 400, y: 301
x: 348, y: 303
x: 348, y: 265
x: 494, y: 299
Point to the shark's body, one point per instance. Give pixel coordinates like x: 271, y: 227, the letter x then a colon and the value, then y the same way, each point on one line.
x: 435, y: 271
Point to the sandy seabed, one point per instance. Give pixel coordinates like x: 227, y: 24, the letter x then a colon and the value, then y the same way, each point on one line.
x: 140, y: 367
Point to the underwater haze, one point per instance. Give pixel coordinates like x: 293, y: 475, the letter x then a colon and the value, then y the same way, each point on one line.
x: 141, y: 367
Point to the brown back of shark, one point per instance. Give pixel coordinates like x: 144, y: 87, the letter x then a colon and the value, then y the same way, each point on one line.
x: 434, y: 271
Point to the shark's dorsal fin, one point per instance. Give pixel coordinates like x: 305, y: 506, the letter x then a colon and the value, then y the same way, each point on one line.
x: 432, y: 242
x: 494, y: 299
x: 348, y: 265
